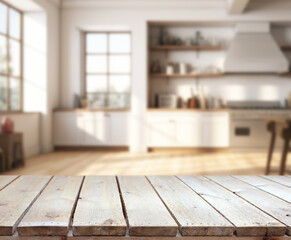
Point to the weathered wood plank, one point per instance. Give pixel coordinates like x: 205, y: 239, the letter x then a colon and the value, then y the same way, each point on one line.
x: 99, y: 209
x: 269, y: 186
x: 146, y: 213
x: 284, y: 180
x: 51, y: 212
x: 194, y: 215
x: 268, y: 203
x: 16, y: 198
x: 71, y: 237
x: 5, y: 180
x: 248, y: 220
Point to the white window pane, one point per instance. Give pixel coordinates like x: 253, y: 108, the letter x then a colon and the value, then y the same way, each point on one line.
x: 96, y: 83
x: 3, y: 54
x: 119, y: 101
x: 3, y: 92
x: 96, y: 64
x: 14, y: 86
x: 119, y: 83
x: 14, y: 23
x: 119, y: 64
x: 3, y: 18
x: 96, y: 43
x: 14, y: 58
x: 119, y: 43
x: 97, y: 100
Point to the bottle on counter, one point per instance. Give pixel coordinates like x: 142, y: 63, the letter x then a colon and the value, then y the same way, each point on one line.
x: 202, y: 99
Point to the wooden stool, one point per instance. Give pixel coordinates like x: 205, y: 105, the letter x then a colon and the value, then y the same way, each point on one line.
x: 282, y: 127
x: 12, y: 146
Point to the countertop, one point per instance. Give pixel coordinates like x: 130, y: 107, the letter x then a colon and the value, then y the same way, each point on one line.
x: 148, y: 110
x: 157, y: 207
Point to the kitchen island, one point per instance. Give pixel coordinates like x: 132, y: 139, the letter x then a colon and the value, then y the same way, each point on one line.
x: 138, y: 207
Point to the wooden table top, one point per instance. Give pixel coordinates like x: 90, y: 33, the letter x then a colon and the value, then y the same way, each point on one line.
x: 139, y: 207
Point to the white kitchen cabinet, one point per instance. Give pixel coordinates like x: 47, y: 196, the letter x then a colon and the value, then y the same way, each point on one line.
x: 163, y: 133
x: 67, y: 129
x: 194, y: 129
x: 96, y: 129
x: 91, y: 129
x: 215, y: 130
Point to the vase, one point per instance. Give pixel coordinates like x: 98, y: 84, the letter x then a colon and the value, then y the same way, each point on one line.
x: 7, y: 125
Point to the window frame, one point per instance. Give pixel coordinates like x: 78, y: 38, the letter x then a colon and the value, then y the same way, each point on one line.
x: 107, y: 74
x: 8, y: 75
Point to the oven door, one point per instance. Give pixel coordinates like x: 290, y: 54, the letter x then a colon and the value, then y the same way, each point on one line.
x: 249, y: 134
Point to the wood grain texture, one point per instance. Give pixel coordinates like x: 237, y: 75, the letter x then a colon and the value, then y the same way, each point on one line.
x: 284, y: 180
x: 71, y: 237
x: 269, y: 186
x: 15, y: 200
x: 5, y: 180
x: 99, y: 209
x: 268, y: 203
x: 194, y: 215
x: 248, y: 220
x: 51, y: 213
x: 146, y: 213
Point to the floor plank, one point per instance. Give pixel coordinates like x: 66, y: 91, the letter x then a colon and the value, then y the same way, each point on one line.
x: 285, y: 180
x: 248, y: 220
x: 269, y: 186
x: 268, y: 203
x: 99, y: 210
x: 154, y: 163
x: 51, y: 212
x: 5, y: 180
x: 15, y: 200
x: 146, y: 213
x: 194, y: 215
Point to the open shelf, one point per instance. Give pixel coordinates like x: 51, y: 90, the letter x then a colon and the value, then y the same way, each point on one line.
x: 176, y: 75
x: 286, y: 48
x: 187, y: 110
x: 185, y: 48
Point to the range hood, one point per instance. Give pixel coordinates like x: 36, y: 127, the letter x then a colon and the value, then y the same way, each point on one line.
x: 254, y: 50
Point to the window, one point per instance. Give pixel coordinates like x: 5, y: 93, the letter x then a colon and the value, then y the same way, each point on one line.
x: 10, y: 58
x: 108, y: 69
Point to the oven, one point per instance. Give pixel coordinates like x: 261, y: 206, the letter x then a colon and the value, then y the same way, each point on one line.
x: 248, y: 132
x: 248, y: 128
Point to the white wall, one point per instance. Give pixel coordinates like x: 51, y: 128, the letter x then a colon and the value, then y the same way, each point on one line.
x: 28, y: 124
x: 76, y: 17
x: 41, y: 68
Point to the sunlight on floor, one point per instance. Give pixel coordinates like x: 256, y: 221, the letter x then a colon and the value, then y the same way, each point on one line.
x: 156, y: 163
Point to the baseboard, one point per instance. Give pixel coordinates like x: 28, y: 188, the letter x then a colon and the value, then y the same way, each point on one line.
x: 92, y: 148
x: 188, y: 149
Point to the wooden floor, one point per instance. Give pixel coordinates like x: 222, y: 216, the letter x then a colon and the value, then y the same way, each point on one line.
x: 155, y: 163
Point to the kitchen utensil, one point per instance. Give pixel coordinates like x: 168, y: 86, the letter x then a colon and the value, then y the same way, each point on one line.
x: 192, y: 103
x: 170, y: 69
x: 202, y: 99
x: 167, y: 101
x: 183, y: 68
